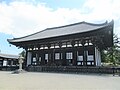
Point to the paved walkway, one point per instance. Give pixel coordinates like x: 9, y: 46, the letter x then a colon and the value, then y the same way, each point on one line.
x: 54, y: 81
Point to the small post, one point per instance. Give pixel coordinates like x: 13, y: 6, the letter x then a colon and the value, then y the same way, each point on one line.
x: 113, y: 68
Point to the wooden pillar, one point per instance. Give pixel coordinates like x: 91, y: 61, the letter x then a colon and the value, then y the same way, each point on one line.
x: 63, y: 58
x: 61, y: 54
x: 37, y: 58
x: 74, y: 57
x: 49, y: 57
x: 1, y: 64
x: 49, y: 54
x: 53, y: 56
x: 25, y: 61
x: 84, y: 53
x: 32, y: 57
x: 94, y: 55
x: 42, y: 57
x: 8, y: 62
x: 85, y: 57
x: 74, y: 51
x: 60, y: 57
x: 12, y: 62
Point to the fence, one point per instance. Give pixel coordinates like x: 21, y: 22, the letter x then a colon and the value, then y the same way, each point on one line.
x: 75, y: 69
x: 8, y: 68
x: 67, y: 69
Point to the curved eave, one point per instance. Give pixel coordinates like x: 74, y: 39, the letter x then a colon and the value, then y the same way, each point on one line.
x: 8, y: 56
x: 19, y: 40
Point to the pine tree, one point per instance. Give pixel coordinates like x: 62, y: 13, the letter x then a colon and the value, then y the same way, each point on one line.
x: 112, y: 54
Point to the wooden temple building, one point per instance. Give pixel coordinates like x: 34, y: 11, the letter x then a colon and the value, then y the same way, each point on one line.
x: 8, y: 60
x: 77, y: 44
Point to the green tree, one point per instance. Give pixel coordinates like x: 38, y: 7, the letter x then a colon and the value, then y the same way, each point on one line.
x: 23, y: 54
x: 112, y: 54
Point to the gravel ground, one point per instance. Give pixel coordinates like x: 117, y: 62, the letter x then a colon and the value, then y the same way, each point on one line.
x: 57, y: 81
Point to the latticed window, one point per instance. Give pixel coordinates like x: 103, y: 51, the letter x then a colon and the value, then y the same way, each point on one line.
x: 46, y: 56
x: 57, y: 56
x: 69, y: 55
x: 34, y: 59
x: 80, y: 58
x: 39, y: 59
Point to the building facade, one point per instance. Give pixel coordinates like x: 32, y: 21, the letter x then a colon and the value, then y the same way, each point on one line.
x: 77, y: 44
x: 8, y: 60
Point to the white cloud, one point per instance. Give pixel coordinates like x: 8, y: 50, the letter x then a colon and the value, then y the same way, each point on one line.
x: 22, y: 18
x: 104, y: 10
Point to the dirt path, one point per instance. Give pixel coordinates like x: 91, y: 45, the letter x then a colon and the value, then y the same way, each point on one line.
x: 53, y: 81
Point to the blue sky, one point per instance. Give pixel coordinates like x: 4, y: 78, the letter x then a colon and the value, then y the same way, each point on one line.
x: 53, y: 3
x: 23, y: 17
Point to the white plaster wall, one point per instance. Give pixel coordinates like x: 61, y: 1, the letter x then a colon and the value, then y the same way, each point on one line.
x: 90, y: 58
x: 29, y: 56
x: 97, y: 57
x: 4, y: 62
x: 80, y: 58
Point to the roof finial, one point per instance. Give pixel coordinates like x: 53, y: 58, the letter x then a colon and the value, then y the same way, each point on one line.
x: 106, y: 22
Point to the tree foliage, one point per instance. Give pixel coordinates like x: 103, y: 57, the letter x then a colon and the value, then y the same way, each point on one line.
x: 23, y: 54
x: 112, y: 54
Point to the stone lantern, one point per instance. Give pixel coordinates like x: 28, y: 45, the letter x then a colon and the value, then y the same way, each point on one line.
x: 20, y: 62
x: 20, y: 70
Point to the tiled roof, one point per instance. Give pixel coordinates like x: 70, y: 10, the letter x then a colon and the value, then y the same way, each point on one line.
x: 9, y: 56
x: 62, y: 31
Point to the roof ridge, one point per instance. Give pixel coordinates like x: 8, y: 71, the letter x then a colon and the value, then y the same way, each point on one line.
x: 77, y: 24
